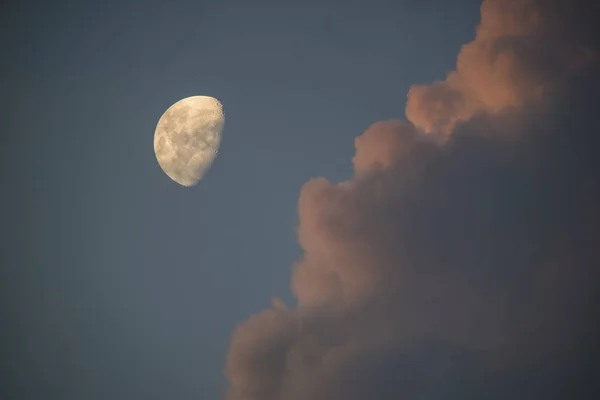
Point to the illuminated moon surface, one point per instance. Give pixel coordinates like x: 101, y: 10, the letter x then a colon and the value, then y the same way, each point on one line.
x: 187, y: 138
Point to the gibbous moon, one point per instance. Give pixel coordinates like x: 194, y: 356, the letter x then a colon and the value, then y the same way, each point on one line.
x: 187, y: 138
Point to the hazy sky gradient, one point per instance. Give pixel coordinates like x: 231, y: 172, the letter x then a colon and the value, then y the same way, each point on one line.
x: 116, y: 282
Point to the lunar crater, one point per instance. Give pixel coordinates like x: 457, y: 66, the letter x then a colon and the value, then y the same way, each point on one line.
x: 187, y: 138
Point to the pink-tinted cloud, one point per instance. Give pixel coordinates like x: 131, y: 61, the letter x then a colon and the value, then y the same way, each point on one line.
x: 461, y: 269
x: 518, y: 56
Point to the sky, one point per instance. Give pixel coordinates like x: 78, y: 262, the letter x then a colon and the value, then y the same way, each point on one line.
x: 404, y: 204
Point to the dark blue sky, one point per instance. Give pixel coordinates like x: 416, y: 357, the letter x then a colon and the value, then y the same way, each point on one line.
x: 117, y: 282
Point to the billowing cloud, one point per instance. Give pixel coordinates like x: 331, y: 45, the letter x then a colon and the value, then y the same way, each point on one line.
x: 461, y: 269
x: 523, y: 50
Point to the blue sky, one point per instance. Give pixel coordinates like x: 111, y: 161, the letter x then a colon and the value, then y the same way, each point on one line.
x: 122, y: 284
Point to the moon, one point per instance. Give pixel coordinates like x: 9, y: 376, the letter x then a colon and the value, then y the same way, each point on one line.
x: 187, y: 138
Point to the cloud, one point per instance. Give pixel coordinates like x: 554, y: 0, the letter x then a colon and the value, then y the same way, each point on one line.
x: 461, y: 269
x: 521, y: 52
